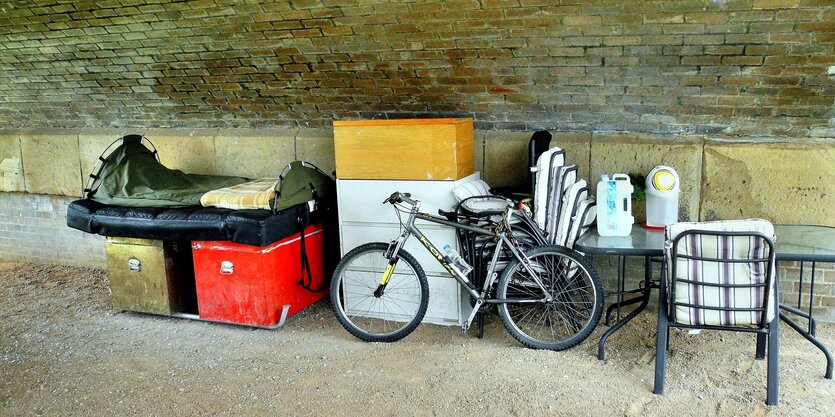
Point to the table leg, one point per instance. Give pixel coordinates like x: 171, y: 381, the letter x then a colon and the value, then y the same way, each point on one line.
x: 809, y: 332
x: 811, y: 300
x: 601, y: 346
x: 617, y: 305
x: 811, y: 324
x: 811, y: 338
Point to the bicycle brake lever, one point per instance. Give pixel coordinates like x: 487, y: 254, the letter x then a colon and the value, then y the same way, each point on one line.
x: 392, y: 198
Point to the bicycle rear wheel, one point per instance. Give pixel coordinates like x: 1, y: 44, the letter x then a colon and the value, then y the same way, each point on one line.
x: 387, y: 317
x: 577, y: 299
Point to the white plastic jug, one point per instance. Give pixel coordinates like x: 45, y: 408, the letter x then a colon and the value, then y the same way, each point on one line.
x: 614, y: 205
x: 662, y: 189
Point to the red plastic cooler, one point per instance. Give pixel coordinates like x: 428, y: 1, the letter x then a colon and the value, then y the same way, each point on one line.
x: 258, y: 286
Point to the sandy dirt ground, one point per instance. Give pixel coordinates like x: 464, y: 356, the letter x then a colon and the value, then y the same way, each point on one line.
x: 65, y: 352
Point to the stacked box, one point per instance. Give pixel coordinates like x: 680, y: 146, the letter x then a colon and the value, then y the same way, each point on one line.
x: 151, y: 276
x: 259, y: 286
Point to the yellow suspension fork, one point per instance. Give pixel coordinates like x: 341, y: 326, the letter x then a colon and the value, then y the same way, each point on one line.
x: 384, y: 280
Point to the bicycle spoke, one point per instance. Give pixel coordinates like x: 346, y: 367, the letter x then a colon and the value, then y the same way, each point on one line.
x: 386, y: 317
x: 575, y: 300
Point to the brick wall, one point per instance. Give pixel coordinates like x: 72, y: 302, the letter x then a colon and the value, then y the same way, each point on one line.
x: 33, y: 228
x: 735, y: 67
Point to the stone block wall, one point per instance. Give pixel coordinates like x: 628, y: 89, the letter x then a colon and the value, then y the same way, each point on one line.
x: 732, y: 67
x: 785, y: 182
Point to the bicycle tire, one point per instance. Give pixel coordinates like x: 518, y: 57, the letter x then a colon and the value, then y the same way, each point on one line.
x: 349, y: 301
x: 577, y: 296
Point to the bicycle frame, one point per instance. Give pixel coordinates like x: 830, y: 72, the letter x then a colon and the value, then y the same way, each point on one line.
x: 480, y: 297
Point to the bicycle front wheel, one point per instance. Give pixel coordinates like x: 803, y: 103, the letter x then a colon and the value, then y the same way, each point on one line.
x: 366, y: 312
x: 576, y: 298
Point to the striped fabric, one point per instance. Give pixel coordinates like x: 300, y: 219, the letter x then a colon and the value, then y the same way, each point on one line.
x: 581, y: 222
x: 571, y: 200
x: 255, y: 194
x: 693, y: 276
x: 564, y: 177
x: 545, y: 171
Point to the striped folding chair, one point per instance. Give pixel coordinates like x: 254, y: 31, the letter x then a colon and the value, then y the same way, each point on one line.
x: 720, y: 276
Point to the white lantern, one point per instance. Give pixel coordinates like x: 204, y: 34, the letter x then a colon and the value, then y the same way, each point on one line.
x: 662, y: 190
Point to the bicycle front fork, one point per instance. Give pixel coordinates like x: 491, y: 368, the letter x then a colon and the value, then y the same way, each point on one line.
x: 385, y: 278
x: 391, y: 255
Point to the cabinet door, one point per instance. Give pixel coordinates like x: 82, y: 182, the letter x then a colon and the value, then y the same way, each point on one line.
x: 444, y: 301
x: 360, y: 200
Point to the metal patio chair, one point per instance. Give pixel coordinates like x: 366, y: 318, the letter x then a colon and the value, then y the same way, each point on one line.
x: 720, y: 276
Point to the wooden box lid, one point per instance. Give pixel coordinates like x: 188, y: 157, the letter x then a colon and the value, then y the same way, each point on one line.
x: 404, y: 149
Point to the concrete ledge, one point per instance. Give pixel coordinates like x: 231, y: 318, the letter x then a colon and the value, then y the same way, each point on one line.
x: 505, y: 154
x: 11, y: 163
x: 505, y: 158
x: 787, y: 182
x: 254, y: 153
x: 189, y: 150
x: 782, y: 182
x: 577, y: 146
x: 51, y: 162
x: 316, y: 146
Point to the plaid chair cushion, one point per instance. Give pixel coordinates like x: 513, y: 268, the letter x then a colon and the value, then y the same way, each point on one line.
x: 255, y: 194
x: 698, y: 273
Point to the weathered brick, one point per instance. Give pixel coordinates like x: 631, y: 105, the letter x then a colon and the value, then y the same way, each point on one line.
x: 775, y: 4
x: 581, y: 20
x: 664, y: 18
x: 356, y: 53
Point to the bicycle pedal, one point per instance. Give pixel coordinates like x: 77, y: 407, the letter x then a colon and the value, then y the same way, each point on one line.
x: 465, y: 330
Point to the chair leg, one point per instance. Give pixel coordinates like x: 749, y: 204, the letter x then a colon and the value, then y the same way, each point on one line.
x: 772, y: 384
x: 761, y: 340
x: 661, y: 344
x: 480, y: 318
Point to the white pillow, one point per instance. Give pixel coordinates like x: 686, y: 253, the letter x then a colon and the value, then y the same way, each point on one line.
x: 470, y: 189
x: 478, y: 188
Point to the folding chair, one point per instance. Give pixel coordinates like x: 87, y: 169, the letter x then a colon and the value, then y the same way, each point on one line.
x: 549, y: 196
x: 557, y: 230
x: 720, y: 276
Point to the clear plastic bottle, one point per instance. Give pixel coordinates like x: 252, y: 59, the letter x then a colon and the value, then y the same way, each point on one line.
x: 452, y: 256
x: 614, y: 199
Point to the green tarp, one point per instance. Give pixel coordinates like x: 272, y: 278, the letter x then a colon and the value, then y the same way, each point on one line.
x: 131, y: 176
x: 298, y: 184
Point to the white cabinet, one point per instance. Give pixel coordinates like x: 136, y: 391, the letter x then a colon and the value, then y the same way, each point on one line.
x: 363, y: 218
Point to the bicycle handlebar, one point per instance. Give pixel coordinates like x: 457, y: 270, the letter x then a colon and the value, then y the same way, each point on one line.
x: 398, y: 197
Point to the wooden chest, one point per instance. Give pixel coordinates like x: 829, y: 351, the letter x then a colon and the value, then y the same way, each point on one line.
x: 407, y: 149
x: 151, y: 276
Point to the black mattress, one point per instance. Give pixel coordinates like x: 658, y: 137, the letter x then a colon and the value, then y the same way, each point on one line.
x: 248, y: 227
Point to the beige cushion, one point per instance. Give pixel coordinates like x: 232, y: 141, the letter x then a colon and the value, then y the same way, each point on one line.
x: 255, y: 194
x: 717, y: 272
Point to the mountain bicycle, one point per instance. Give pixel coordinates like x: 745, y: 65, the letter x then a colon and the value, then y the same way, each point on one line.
x: 548, y: 297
